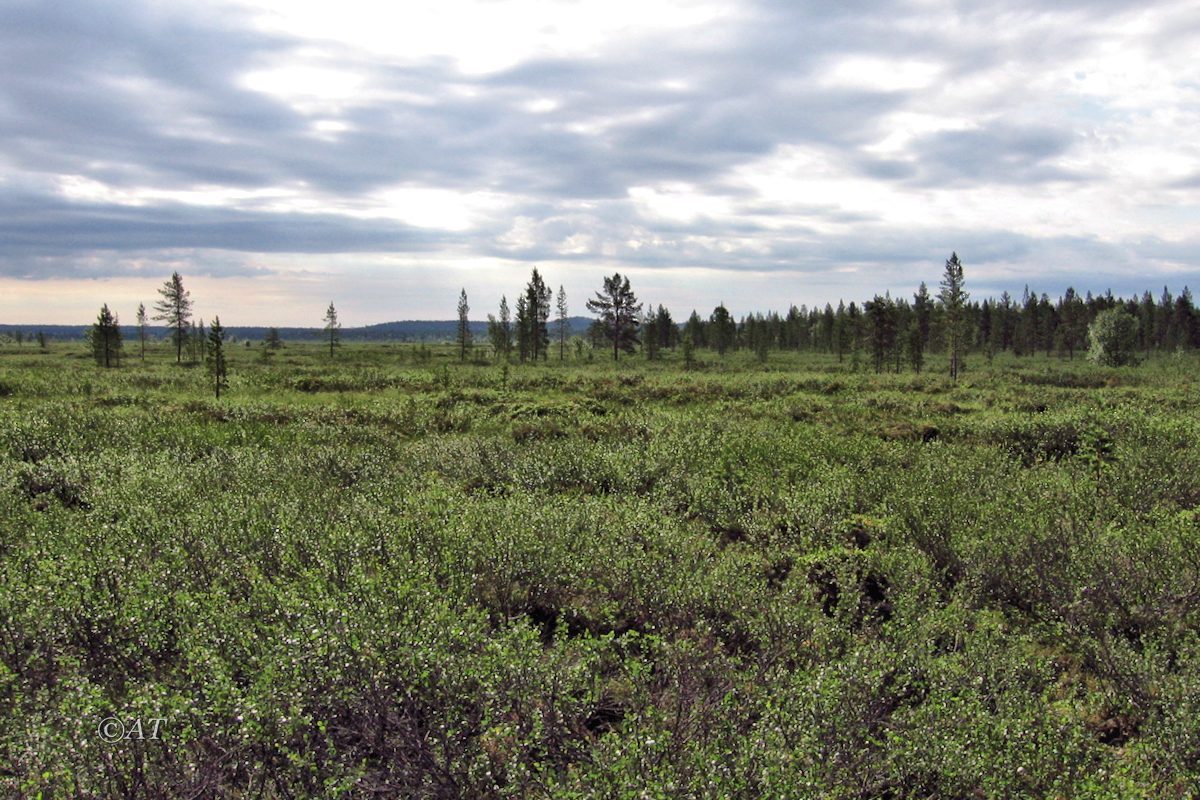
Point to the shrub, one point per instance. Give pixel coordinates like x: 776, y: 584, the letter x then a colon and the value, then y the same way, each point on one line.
x: 1113, y: 337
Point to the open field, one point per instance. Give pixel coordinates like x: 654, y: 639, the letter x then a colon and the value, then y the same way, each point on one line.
x: 401, y: 576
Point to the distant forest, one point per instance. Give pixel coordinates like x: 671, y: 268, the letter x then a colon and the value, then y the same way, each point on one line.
x: 886, y: 331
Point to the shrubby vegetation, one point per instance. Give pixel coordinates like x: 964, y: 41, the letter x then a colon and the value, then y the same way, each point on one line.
x: 400, y: 574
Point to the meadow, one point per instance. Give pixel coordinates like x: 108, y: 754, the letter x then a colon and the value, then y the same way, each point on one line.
x: 391, y: 574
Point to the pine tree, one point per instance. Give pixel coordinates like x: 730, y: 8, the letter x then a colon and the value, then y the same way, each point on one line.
x: 464, y: 326
x: 215, y: 357
x: 618, y: 309
x: 954, y: 300
x: 272, y: 340
x: 175, y: 309
x: 333, y: 328
x: 106, y: 339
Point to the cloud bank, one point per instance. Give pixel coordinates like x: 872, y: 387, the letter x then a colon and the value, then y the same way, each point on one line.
x: 759, y: 153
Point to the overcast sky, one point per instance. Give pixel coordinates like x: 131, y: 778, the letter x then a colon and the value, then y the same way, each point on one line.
x: 281, y: 155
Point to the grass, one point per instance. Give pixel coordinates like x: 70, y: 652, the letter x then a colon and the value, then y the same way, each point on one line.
x: 392, y: 574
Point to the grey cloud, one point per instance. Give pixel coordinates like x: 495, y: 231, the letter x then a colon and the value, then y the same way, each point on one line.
x: 132, y: 96
x: 34, y: 229
x: 996, y: 154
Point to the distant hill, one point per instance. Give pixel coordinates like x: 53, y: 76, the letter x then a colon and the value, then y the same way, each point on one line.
x: 440, y: 330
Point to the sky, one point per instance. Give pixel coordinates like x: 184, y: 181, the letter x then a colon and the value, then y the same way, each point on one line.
x: 759, y: 153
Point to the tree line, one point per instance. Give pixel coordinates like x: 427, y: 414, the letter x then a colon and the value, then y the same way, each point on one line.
x: 887, y: 333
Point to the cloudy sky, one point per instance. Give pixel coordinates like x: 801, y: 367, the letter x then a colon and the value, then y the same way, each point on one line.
x: 758, y: 152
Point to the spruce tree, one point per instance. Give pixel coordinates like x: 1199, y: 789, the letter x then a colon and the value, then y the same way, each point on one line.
x: 215, y: 357
x: 954, y: 300
x: 500, y: 331
x: 141, y: 328
x: 524, y: 327
x: 106, y: 339
x: 333, y: 328
x: 537, y: 306
x: 464, y: 326
x: 561, y: 322
x: 722, y: 329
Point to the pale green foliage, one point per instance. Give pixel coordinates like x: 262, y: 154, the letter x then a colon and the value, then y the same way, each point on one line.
x: 1113, y: 338
x: 397, y: 575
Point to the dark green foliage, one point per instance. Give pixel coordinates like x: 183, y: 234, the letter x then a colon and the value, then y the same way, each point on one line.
x: 723, y: 330
x: 218, y: 369
x: 333, y: 329
x: 618, y: 309
x: 463, y: 336
x: 175, y: 309
x: 105, y: 339
x: 500, y: 332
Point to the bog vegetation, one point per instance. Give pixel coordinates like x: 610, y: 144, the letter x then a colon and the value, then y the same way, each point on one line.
x: 390, y: 570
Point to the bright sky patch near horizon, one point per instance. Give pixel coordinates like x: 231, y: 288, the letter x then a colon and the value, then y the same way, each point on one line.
x: 758, y: 153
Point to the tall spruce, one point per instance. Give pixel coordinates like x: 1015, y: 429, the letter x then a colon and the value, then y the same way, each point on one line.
x: 618, y: 309
x: 500, y: 331
x: 560, y: 322
x: 215, y: 357
x: 537, y: 306
x: 106, y: 339
x: 881, y: 316
x: 464, y: 326
x: 722, y: 329
x: 333, y: 328
x: 668, y: 334
x: 141, y: 328
x: 954, y: 301
x: 175, y: 309
x: 524, y: 325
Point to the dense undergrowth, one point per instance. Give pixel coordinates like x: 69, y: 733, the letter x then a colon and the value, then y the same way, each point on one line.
x: 384, y: 579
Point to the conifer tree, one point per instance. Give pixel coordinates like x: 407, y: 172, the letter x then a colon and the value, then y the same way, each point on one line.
x: 618, y: 309
x: 215, y: 357
x: 333, y: 328
x: 722, y: 329
x: 881, y: 315
x: 500, y: 331
x: 106, y: 339
x: 464, y: 326
x: 141, y: 328
x: 524, y: 327
x: 561, y: 322
x: 175, y: 309
x: 954, y: 300
x: 537, y: 307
